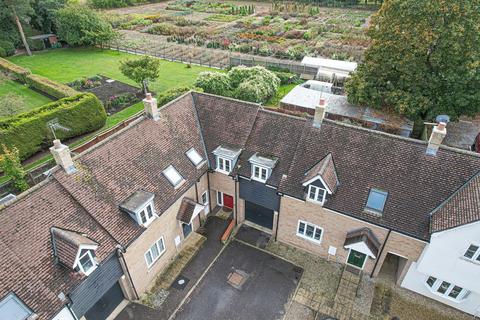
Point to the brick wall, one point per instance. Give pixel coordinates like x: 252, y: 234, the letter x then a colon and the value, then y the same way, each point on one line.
x: 335, y: 227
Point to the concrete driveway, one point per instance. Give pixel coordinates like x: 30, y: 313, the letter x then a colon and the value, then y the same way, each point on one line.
x: 244, y: 283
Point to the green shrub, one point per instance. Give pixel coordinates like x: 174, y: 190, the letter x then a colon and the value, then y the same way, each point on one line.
x: 3, y: 53
x: 49, y: 87
x: 29, y: 132
x: 17, y: 72
x: 214, y: 82
x: 171, y: 94
x: 8, y: 47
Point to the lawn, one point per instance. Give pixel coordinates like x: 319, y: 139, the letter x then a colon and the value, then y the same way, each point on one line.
x: 66, y: 65
x: 31, y: 99
x: 274, y: 102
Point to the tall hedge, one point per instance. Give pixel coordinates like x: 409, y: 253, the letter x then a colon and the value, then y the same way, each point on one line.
x: 14, y: 70
x: 29, y: 132
x: 52, y: 88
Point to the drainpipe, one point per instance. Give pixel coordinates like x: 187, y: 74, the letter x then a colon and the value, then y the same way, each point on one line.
x: 209, y: 192
x: 123, y: 263
x: 235, y: 179
x: 196, y: 191
x: 278, y: 216
x: 381, y: 252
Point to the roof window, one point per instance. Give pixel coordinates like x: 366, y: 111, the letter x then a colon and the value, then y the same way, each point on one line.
x: 11, y: 307
x: 376, y: 200
x: 173, y: 176
x: 194, y: 156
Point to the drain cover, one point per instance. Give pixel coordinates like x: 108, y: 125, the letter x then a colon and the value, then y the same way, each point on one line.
x: 237, y: 278
x: 180, y: 283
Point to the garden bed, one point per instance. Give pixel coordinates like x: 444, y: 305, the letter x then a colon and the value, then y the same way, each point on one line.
x: 115, y: 95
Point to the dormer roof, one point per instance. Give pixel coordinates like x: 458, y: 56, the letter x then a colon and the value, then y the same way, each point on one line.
x: 263, y: 160
x: 67, y: 243
x: 325, y: 171
x: 228, y: 152
x: 137, y: 201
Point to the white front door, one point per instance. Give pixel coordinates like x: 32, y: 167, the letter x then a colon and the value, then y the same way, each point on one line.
x: 205, y: 202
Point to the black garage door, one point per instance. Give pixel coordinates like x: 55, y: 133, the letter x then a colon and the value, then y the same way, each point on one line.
x: 107, y: 303
x: 259, y: 215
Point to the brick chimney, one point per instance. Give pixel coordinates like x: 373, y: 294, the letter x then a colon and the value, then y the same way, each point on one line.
x: 319, y: 113
x: 150, y: 106
x: 62, y: 156
x: 436, y: 138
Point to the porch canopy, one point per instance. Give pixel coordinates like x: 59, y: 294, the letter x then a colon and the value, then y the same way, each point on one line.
x: 189, y: 210
x: 363, y: 240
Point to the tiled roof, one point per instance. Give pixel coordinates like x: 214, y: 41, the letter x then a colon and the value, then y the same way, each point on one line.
x: 66, y: 244
x: 366, y: 235
x: 325, y: 168
x: 185, y: 212
x: 28, y: 265
x: 364, y: 159
x: 134, y: 159
x: 461, y: 208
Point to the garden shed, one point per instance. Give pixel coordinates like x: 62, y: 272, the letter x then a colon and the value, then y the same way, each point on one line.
x: 44, y: 41
x: 335, y: 71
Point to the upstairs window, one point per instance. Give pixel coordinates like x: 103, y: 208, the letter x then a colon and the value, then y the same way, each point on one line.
x: 473, y: 253
x: 194, y: 156
x: 376, y: 200
x: 316, y: 194
x: 224, y: 165
x: 86, y: 261
x: 259, y: 173
x: 173, y: 176
x: 146, y: 215
x: 154, y: 252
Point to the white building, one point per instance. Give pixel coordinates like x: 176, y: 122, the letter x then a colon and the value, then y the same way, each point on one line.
x: 449, y: 268
x: 335, y: 71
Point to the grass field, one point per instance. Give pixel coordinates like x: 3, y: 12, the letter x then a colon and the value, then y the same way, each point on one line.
x: 65, y: 65
x: 32, y: 99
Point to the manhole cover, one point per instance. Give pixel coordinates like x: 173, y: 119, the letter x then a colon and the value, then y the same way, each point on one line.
x: 180, y: 283
x: 237, y: 278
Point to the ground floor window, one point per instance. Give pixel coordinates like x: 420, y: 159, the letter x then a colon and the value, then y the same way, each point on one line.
x: 309, y: 231
x: 154, y: 252
x: 356, y: 259
x: 446, y: 289
x: 187, y: 229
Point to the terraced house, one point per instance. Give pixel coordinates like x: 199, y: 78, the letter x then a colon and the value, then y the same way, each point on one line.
x: 108, y: 221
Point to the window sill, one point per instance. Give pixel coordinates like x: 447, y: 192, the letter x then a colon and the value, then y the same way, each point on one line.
x: 258, y: 180
x: 315, y: 202
x: 374, y: 212
x: 222, y: 171
x: 309, y: 239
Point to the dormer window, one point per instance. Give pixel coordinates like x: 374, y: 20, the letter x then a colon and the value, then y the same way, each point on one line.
x: 194, y: 157
x: 173, y: 176
x: 224, y: 165
x: 259, y: 173
x: 316, y: 194
x: 86, y: 261
x: 140, y: 207
x: 376, y: 200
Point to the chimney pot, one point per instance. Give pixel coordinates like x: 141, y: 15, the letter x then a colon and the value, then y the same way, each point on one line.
x: 61, y: 154
x: 150, y: 107
x: 436, y: 138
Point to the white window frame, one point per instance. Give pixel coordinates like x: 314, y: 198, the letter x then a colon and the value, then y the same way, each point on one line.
x: 317, y: 191
x: 92, y: 259
x: 160, y: 252
x: 476, y: 256
x: 304, y: 235
x: 260, y: 171
x: 223, y: 162
x: 12, y: 297
x: 193, y: 155
x: 220, y: 198
x: 148, y: 219
x: 174, y: 171
x: 436, y: 285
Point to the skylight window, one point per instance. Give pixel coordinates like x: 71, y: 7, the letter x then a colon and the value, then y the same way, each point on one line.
x: 376, y: 200
x: 173, y: 176
x: 194, y: 156
x: 13, y: 308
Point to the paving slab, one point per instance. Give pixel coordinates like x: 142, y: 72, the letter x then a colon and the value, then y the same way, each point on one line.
x: 253, y: 236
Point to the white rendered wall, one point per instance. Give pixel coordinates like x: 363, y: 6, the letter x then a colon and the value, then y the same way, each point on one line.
x: 65, y: 314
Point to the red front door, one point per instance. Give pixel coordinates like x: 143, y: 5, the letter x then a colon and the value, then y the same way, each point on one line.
x: 227, y: 201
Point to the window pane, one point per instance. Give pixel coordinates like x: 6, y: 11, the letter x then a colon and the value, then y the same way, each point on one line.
x: 443, y: 287
x: 154, y: 250
x: 264, y: 174
x: 143, y: 218
x: 256, y: 172
x: 376, y: 200
x: 321, y: 193
x: 301, y: 228
x: 149, y: 258
x: 455, y: 292
x: 312, y: 192
x: 204, y: 198
x: 310, y: 230
x: 150, y: 212
x: 161, y: 245
x: 318, y: 233
x: 86, y: 262
x: 227, y: 165
x: 220, y: 163
x: 431, y: 281
x: 471, y: 251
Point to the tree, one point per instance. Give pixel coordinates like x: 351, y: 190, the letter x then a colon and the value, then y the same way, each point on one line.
x: 141, y: 70
x: 12, y: 168
x: 18, y: 10
x: 214, y: 82
x: 44, y: 16
x: 424, y: 59
x: 79, y: 25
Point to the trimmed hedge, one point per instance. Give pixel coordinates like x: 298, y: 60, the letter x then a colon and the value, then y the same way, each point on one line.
x: 81, y: 113
x: 8, y: 47
x: 52, y: 88
x: 17, y: 72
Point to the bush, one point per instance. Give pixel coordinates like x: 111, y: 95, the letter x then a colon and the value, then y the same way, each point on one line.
x: 171, y: 94
x: 3, y: 53
x: 80, y: 26
x: 81, y: 113
x: 49, y: 87
x: 214, y: 82
x: 17, y: 72
x: 8, y: 47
